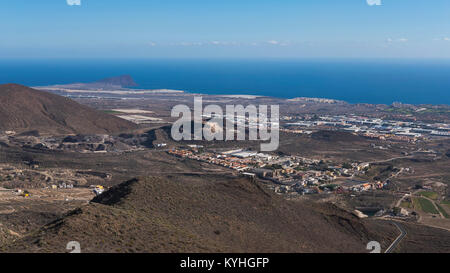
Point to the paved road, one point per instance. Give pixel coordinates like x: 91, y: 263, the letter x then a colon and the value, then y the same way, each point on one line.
x: 402, y: 235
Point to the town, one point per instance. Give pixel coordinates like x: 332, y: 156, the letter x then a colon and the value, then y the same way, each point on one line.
x: 368, y: 127
x: 291, y: 175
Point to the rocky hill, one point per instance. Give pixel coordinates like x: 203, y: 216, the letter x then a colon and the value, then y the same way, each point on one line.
x: 200, y: 213
x: 113, y: 83
x: 24, y: 109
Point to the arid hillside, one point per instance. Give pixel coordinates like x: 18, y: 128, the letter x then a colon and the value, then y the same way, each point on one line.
x: 24, y: 109
x: 208, y: 213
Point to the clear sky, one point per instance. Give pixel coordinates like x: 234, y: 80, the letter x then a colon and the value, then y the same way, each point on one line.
x: 224, y: 28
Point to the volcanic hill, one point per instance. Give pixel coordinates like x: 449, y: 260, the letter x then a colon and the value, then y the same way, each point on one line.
x: 121, y: 81
x: 25, y: 109
x: 200, y: 213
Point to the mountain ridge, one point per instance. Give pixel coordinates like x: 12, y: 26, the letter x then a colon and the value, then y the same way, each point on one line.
x: 191, y: 213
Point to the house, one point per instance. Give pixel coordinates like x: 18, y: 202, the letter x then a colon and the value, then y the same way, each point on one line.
x: 363, y: 166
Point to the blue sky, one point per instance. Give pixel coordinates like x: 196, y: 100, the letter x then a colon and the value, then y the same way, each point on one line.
x: 225, y: 28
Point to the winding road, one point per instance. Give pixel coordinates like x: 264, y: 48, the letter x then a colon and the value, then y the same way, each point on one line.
x: 402, y: 235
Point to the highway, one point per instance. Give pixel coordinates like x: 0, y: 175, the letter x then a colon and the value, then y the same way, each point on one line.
x: 402, y: 235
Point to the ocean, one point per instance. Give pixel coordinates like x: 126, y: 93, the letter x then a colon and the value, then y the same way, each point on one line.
x: 354, y: 81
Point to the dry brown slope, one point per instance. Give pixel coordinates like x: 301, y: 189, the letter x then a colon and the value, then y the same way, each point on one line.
x: 25, y: 109
x: 199, y: 214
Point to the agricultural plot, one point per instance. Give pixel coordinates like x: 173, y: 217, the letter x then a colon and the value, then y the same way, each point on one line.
x: 424, y: 205
x: 429, y: 194
x: 443, y: 211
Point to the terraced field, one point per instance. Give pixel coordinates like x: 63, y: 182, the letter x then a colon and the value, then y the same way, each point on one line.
x: 429, y: 194
x: 442, y: 210
x: 424, y: 205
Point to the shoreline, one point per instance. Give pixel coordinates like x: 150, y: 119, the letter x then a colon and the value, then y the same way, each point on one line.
x: 163, y: 91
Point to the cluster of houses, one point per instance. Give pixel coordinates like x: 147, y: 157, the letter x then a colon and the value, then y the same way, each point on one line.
x: 288, y: 173
x: 238, y: 160
x: 311, y: 186
x: 360, y: 186
x: 62, y: 185
x: 376, y: 127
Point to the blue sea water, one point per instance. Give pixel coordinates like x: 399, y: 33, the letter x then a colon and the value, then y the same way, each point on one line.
x: 355, y: 81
